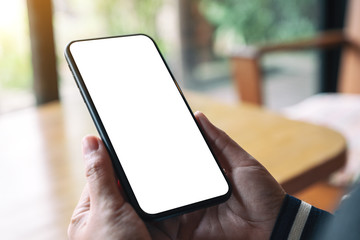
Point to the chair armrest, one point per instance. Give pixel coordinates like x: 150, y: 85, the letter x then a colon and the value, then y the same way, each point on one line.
x: 245, y: 61
x: 324, y: 40
x: 354, y: 44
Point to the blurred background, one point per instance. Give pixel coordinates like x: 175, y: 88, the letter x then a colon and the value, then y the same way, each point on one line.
x: 41, y: 174
x: 194, y: 36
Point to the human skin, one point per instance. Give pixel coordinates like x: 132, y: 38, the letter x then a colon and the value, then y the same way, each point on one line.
x: 250, y: 212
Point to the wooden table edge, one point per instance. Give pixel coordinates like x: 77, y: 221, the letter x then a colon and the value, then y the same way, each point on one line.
x: 318, y: 173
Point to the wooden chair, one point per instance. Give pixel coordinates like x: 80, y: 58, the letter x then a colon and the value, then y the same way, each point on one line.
x: 247, y: 74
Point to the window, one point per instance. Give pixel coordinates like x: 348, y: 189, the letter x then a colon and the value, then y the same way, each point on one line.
x: 15, y: 59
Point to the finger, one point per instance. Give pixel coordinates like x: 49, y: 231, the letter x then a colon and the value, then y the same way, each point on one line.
x: 79, y: 215
x: 84, y: 202
x: 99, y: 172
x: 228, y: 152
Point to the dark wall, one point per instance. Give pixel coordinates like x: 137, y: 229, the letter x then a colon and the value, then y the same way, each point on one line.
x: 332, y: 17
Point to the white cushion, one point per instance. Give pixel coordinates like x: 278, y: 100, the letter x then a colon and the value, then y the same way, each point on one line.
x: 340, y: 112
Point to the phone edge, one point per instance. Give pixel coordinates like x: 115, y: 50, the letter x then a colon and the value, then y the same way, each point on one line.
x: 114, y: 159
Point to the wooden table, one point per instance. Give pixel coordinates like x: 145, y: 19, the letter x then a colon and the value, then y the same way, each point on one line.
x: 41, y: 168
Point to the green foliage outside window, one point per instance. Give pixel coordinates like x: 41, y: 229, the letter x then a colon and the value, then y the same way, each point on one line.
x: 260, y: 21
x: 15, y: 58
x: 15, y: 65
x: 127, y: 15
x: 130, y: 16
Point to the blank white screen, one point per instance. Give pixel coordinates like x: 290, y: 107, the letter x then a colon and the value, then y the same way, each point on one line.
x: 159, y: 146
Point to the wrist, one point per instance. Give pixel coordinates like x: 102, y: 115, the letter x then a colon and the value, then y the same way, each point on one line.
x: 298, y: 220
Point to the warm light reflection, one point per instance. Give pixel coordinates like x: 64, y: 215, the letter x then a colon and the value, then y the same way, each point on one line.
x: 12, y: 25
x: 10, y: 14
x: 15, y: 62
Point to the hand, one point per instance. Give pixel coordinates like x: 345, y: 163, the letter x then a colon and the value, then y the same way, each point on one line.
x: 250, y: 213
x: 102, y: 212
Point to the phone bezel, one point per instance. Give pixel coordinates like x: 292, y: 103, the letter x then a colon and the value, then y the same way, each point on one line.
x: 116, y: 162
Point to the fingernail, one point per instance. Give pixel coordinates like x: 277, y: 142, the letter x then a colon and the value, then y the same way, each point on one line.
x: 90, y: 144
x: 200, y: 116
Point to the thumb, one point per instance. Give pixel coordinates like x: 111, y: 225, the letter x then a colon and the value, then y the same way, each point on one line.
x: 99, y: 172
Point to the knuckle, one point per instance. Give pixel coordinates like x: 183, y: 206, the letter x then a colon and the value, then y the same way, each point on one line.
x: 95, y: 166
x: 222, y: 139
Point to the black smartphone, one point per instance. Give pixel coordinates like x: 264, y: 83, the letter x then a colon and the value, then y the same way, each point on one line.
x: 157, y: 149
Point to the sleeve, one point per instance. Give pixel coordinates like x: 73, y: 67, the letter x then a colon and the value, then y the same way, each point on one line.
x: 298, y: 220
x: 345, y: 223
